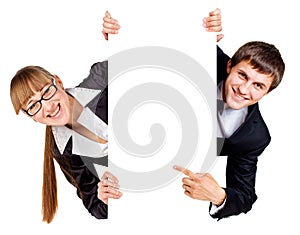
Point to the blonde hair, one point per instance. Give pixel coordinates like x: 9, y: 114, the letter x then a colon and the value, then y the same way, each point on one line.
x: 23, y: 85
x: 49, y: 188
x: 27, y: 80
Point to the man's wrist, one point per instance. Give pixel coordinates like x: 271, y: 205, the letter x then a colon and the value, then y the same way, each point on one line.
x: 220, y: 197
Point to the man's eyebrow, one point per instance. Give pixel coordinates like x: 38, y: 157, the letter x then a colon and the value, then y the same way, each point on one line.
x: 246, y: 75
x: 243, y: 72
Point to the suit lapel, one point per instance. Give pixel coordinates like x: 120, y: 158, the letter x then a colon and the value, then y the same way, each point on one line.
x: 235, y: 142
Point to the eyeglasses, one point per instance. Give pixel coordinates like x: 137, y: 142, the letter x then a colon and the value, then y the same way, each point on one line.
x: 47, y: 95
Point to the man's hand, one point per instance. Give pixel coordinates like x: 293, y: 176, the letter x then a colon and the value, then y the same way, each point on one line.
x: 201, y: 186
x: 108, y: 187
x: 110, y: 25
x: 213, y: 23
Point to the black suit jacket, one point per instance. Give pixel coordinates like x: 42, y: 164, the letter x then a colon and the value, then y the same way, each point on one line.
x: 242, y: 149
x: 81, y: 168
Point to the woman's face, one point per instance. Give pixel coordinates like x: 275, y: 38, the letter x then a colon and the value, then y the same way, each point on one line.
x: 55, y: 111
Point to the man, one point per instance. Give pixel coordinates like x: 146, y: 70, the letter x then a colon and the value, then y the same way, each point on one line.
x: 254, y: 70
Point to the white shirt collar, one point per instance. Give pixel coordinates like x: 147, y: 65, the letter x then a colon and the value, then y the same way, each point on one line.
x: 229, y: 120
x: 220, y: 94
x: 82, y: 145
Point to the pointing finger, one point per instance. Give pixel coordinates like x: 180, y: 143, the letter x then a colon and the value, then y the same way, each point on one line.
x: 185, y: 171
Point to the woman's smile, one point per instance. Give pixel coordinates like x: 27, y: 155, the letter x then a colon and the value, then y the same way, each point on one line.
x: 56, y: 114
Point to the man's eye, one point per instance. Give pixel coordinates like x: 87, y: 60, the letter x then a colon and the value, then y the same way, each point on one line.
x: 243, y: 75
x: 259, y: 86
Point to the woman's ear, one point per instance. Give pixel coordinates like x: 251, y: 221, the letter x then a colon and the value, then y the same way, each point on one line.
x: 228, y: 69
x: 58, y: 81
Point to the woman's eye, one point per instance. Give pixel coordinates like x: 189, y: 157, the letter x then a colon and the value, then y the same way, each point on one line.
x: 47, y: 91
x: 31, y: 107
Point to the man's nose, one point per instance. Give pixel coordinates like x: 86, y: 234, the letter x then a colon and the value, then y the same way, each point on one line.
x: 244, y: 88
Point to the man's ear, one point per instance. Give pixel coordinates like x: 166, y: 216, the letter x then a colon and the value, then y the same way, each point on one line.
x: 228, y: 69
x: 58, y: 81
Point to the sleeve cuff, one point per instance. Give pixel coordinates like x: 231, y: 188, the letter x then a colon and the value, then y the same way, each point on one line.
x: 215, y: 209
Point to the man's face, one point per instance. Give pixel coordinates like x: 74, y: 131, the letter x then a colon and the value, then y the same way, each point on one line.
x: 245, y: 86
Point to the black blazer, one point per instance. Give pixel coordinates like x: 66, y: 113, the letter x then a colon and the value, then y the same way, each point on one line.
x: 81, y: 168
x: 242, y: 149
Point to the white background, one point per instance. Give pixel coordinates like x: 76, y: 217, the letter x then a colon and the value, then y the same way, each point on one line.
x: 65, y: 37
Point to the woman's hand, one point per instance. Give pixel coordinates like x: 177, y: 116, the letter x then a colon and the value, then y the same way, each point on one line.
x: 110, y: 25
x: 108, y: 187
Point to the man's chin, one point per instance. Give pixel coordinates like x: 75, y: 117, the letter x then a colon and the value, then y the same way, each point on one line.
x: 236, y: 106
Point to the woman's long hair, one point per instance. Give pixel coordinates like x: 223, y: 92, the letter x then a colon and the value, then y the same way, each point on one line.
x: 23, y: 85
x: 49, y: 190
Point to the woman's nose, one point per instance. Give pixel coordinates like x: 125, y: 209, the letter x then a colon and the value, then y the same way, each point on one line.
x: 47, y: 106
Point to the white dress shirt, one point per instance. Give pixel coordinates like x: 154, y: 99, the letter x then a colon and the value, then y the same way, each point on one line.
x: 229, y: 120
x: 80, y: 144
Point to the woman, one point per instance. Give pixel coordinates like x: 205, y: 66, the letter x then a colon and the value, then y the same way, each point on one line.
x: 76, y: 133
x: 76, y: 127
